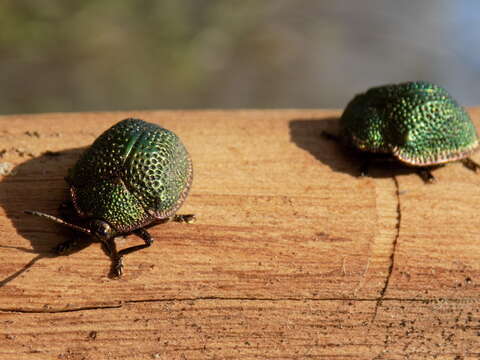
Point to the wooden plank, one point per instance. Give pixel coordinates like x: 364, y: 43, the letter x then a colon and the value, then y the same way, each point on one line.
x: 290, y: 248
x: 247, y: 329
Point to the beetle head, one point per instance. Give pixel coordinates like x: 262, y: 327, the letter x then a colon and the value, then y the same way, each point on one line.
x: 101, y: 230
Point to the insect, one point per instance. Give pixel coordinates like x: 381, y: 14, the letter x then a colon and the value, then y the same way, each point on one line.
x: 134, y: 175
x: 418, y: 123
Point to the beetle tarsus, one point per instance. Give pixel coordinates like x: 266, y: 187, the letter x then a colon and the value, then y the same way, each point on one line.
x: 117, y: 270
x: 426, y: 175
x: 117, y: 261
x: 364, y: 168
x: 185, y: 218
x: 471, y: 165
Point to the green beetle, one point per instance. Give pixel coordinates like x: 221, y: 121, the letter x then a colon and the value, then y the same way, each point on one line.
x: 134, y: 175
x: 418, y: 123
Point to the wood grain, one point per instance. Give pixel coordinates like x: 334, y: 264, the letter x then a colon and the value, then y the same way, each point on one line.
x: 293, y: 255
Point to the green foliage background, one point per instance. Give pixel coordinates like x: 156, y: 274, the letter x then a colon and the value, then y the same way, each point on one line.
x: 60, y: 55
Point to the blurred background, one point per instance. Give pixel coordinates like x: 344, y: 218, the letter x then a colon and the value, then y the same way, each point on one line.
x: 58, y: 55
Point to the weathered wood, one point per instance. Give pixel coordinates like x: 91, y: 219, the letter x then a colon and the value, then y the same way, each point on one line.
x: 292, y: 255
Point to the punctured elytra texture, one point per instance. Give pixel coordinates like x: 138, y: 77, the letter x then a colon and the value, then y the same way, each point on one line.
x: 133, y: 174
x: 419, y: 123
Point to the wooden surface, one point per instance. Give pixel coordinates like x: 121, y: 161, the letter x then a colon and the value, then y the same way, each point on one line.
x: 292, y: 256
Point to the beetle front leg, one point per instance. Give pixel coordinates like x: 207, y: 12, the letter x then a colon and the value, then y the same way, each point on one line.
x: 110, y: 249
x: 117, y: 257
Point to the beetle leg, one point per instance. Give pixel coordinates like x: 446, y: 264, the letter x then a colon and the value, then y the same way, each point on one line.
x: 66, y: 204
x: 330, y: 136
x: 67, y: 211
x: 110, y: 248
x: 117, y: 257
x: 181, y: 218
x: 143, y: 234
x: 185, y: 218
x: 117, y: 263
x: 470, y: 164
x: 426, y: 175
x: 65, y: 246
x: 364, y: 168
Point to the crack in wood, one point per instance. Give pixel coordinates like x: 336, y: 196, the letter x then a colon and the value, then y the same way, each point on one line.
x: 219, y: 298
x: 381, y: 298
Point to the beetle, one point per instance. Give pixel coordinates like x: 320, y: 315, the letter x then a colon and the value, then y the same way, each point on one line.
x: 134, y: 175
x: 417, y: 123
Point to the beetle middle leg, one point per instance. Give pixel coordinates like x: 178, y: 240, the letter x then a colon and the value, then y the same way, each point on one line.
x: 73, y: 244
x: 67, y: 246
x: 372, y: 160
x: 184, y: 218
x: 180, y: 218
x: 426, y: 175
x: 364, y: 168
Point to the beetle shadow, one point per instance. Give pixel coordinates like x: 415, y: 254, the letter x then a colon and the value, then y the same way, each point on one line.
x: 309, y: 134
x: 38, y: 184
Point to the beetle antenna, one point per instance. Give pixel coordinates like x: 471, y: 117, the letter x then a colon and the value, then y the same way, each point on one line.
x: 58, y: 220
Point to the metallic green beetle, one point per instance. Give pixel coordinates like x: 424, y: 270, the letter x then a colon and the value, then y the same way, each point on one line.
x: 134, y: 175
x: 418, y: 123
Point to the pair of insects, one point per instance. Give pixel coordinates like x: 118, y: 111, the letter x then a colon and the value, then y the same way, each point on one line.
x: 137, y: 174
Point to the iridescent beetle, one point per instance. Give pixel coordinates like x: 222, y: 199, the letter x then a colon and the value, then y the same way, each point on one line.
x: 418, y: 123
x: 134, y: 175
